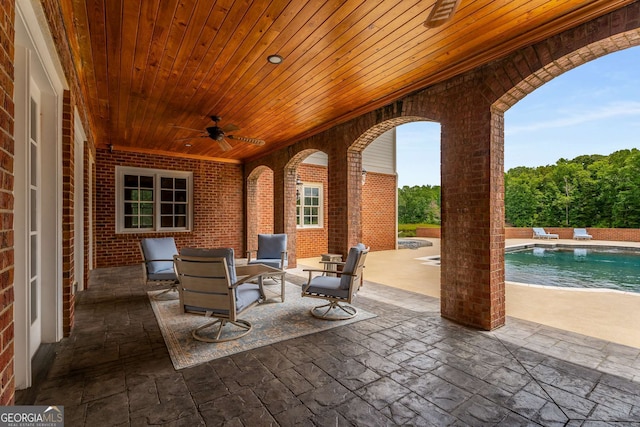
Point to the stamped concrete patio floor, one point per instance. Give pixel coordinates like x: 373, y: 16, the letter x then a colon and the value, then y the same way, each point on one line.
x: 407, y: 366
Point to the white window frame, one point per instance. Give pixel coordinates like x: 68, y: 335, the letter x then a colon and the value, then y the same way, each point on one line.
x: 299, y: 219
x: 157, y: 174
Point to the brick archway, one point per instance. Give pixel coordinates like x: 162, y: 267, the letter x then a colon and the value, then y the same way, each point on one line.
x: 470, y: 109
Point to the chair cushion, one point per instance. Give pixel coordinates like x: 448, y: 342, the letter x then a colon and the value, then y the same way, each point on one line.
x: 159, y: 248
x: 330, y: 286
x: 227, y: 253
x: 163, y: 275
x: 350, y: 265
x: 275, y: 263
x: 247, y: 294
x: 271, y: 246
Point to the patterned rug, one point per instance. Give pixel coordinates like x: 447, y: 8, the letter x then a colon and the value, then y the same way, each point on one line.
x: 272, y: 321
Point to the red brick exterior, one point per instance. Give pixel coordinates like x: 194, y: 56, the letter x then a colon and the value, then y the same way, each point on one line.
x: 218, y: 201
x: 7, y: 151
x: 379, y: 213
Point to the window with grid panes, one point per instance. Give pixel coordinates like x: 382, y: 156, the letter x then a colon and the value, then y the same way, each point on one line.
x: 153, y: 200
x: 309, y: 206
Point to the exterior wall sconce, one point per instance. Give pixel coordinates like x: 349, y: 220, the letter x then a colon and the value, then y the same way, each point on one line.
x: 364, y: 176
x: 299, y: 185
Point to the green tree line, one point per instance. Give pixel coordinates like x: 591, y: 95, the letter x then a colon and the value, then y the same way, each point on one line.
x: 419, y: 204
x: 588, y: 191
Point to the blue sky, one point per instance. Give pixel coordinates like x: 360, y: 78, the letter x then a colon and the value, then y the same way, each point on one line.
x: 592, y: 109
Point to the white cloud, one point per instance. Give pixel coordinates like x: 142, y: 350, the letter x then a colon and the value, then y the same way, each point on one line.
x: 612, y: 110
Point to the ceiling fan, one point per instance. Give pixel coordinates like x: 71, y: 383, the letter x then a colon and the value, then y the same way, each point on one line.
x: 219, y: 134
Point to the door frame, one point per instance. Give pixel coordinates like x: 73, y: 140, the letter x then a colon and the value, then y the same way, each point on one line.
x: 36, y: 60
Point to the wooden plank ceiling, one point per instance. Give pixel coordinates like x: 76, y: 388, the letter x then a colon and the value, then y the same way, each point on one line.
x: 150, y: 67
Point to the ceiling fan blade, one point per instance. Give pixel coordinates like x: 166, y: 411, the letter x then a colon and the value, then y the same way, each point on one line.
x: 230, y: 128
x: 224, y: 145
x: 192, y: 137
x: 182, y: 127
x: 253, y: 141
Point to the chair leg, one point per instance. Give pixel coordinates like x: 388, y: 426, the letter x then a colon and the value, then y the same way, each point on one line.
x: 328, y: 314
x: 172, y: 288
x: 244, y: 326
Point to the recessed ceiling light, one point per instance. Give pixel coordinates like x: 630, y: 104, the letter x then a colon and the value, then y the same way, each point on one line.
x: 274, y: 59
x: 187, y: 145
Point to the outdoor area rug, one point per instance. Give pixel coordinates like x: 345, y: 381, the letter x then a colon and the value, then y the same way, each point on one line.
x: 272, y: 321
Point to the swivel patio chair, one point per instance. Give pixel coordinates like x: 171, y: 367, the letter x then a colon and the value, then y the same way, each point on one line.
x: 272, y: 251
x: 207, y: 286
x: 338, y: 290
x: 157, y: 260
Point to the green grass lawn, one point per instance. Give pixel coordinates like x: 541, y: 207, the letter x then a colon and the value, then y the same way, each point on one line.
x: 409, y: 230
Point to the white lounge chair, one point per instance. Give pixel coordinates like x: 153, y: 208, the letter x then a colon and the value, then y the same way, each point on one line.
x: 539, y: 233
x: 581, y: 234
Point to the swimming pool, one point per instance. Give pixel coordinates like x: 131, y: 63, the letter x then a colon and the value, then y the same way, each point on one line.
x: 576, y: 268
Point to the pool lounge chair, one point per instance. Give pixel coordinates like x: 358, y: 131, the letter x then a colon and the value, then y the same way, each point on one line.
x: 581, y: 234
x: 539, y: 233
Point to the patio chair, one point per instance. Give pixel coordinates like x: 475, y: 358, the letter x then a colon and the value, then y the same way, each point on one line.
x: 207, y: 287
x: 157, y: 261
x: 272, y: 251
x: 539, y: 233
x: 338, y: 290
x: 581, y: 234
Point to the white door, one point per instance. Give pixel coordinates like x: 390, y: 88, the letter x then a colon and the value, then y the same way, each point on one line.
x: 38, y: 170
x: 34, y: 290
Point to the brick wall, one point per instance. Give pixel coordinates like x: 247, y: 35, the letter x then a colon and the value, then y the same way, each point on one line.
x: 7, y: 32
x: 434, y: 233
x: 608, y: 234
x: 379, y: 215
x: 218, y: 206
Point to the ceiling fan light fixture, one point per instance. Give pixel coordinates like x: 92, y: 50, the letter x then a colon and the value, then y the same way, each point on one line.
x: 274, y: 59
x: 441, y: 13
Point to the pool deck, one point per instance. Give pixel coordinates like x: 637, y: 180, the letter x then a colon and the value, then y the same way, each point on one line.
x: 610, y: 315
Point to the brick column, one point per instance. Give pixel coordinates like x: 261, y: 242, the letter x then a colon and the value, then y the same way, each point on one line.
x: 68, y: 224
x: 289, y: 211
x: 472, y: 272
x: 345, y: 192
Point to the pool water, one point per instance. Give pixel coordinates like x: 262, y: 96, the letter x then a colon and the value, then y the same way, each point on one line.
x: 575, y: 268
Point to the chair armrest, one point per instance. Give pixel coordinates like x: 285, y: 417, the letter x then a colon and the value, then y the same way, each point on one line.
x: 245, y: 279
x: 249, y: 254
x: 333, y: 262
x: 318, y: 270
